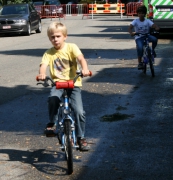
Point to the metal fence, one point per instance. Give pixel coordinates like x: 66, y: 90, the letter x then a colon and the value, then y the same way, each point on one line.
x: 51, y: 11
x: 132, y: 7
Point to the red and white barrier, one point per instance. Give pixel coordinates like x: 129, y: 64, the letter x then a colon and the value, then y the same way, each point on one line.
x: 132, y: 7
x: 52, y: 11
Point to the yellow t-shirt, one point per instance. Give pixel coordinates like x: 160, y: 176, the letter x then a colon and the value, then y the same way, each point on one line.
x: 62, y: 63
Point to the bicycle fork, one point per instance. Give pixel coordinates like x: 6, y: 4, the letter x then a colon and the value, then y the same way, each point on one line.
x: 147, y: 54
x: 73, y: 135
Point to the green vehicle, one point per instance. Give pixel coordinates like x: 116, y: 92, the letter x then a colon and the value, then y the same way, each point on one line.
x: 161, y: 12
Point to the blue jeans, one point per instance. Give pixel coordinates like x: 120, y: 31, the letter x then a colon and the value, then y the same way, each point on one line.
x: 140, y: 44
x: 76, y: 105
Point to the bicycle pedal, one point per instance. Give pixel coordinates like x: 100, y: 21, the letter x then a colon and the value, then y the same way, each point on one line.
x: 50, y: 135
x: 62, y: 148
x: 77, y: 147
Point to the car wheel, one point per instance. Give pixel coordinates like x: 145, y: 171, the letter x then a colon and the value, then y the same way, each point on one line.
x: 28, y: 32
x: 39, y: 28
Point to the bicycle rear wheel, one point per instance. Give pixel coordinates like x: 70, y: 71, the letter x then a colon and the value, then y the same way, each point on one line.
x: 68, y: 145
x: 151, y: 63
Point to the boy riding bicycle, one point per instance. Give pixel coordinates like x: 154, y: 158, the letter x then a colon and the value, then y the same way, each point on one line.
x: 61, y: 59
x: 142, y: 25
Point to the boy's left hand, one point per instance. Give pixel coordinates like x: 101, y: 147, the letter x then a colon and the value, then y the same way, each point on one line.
x: 157, y: 28
x: 85, y: 72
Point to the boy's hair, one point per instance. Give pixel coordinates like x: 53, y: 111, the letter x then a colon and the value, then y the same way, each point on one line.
x: 141, y: 9
x: 57, y: 26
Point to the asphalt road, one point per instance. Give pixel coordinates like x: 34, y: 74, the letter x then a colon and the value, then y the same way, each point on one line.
x: 129, y: 114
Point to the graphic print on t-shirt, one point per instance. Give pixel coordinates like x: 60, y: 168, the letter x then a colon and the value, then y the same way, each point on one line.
x: 61, y: 66
x: 142, y: 29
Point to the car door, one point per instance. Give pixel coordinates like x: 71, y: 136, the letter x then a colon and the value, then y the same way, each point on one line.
x: 34, y: 17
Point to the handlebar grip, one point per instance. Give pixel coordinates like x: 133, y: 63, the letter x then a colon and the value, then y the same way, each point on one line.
x: 90, y: 73
x: 37, y: 78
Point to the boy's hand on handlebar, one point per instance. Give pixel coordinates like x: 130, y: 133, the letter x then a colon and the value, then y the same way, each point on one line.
x: 86, y: 73
x: 132, y: 34
x: 41, y: 77
x: 157, y: 28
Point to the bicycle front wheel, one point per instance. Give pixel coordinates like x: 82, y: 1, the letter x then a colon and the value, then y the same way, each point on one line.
x: 68, y: 145
x: 144, y: 68
x: 151, y: 62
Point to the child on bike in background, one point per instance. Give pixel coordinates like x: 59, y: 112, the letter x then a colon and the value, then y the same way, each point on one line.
x: 61, y: 59
x: 142, y: 25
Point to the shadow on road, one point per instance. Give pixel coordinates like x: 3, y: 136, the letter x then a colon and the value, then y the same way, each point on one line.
x: 43, y: 160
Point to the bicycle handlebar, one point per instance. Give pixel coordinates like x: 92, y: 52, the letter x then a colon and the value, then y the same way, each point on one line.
x: 45, y: 83
x: 138, y: 34
x: 61, y: 85
x: 146, y: 34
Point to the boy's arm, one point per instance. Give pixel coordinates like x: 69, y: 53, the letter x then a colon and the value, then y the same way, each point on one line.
x: 83, y: 64
x: 42, y: 71
x: 131, y: 29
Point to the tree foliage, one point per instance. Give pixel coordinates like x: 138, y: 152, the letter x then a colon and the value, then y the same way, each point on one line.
x: 4, y: 2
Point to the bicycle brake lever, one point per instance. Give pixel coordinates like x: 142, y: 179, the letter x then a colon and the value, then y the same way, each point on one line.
x: 45, y: 84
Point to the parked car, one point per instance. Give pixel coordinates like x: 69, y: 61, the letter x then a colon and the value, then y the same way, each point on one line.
x: 52, y: 8
x: 19, y: 18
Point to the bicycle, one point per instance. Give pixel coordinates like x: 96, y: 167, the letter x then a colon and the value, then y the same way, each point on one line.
x: 64, y: 126
x: 148, y: 56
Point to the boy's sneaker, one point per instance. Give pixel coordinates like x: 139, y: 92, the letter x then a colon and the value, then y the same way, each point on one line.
x: 140, y: 65
x: 50, y: 129
x: 83, y: 145
x: 154, y: 53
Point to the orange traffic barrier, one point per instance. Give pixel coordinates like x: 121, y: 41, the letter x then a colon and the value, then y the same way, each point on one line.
x: 106, y: 8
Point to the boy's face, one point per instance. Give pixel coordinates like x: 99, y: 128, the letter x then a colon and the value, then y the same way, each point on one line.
x: 57, y: 39
x: 141, y: 15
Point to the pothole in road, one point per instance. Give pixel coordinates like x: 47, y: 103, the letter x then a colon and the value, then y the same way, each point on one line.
x: 116, y: 117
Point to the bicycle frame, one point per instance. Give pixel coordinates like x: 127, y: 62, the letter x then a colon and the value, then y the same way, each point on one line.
x: 147, y: 50
x: 66, y: 115
x: 147, y: 55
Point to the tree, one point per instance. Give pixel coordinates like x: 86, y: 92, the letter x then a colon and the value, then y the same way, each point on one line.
x: 4, y: 2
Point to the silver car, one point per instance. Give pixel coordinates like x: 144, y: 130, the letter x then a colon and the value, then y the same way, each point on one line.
x: 19, y: 18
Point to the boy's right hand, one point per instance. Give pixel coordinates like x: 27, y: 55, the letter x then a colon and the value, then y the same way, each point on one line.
x: 132, y: 34
x: 41, y: 76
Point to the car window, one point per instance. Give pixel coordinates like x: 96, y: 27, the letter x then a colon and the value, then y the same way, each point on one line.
x: 21, y: 9
x: 14, y: 10
x: 8, y: 10
x: 31, y: 8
